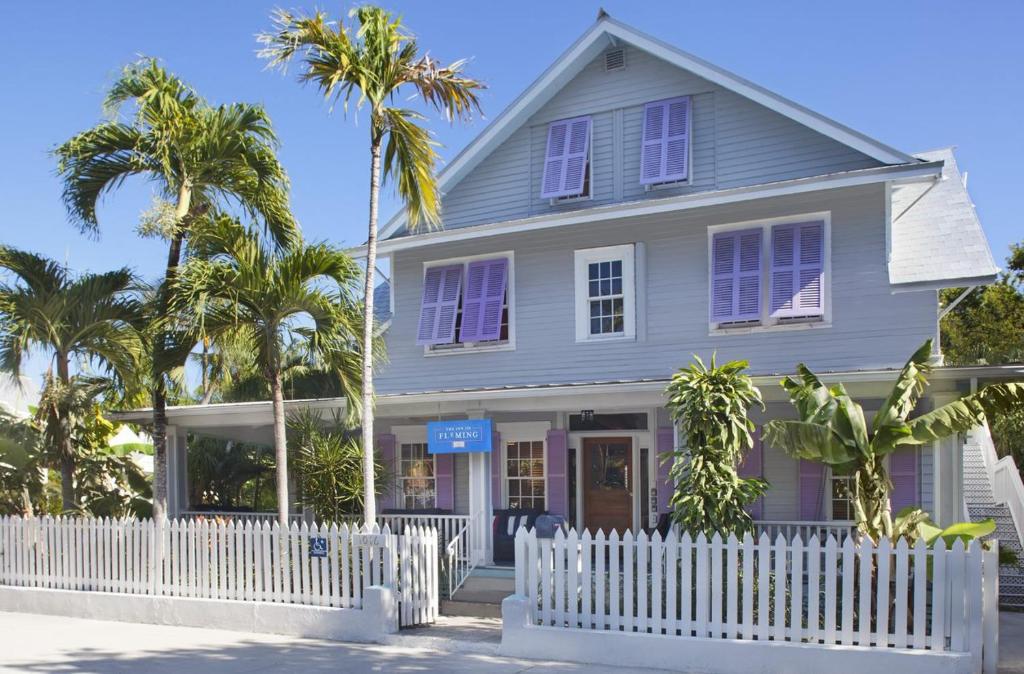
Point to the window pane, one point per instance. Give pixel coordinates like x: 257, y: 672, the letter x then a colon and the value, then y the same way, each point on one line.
x: 617, y: 268
x: 592, y: 271
x: 617, y: 286
x: 606, y: 287
x: 513, y: 468
x: 594, y: 289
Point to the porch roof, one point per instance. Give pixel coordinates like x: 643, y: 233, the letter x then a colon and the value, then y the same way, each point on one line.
x: 250, y: 417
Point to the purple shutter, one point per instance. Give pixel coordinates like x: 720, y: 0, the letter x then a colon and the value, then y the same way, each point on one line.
x: 385, y: 446
x: 497, y: 458
x: 665, y: 444
x: 798, y: 270
x: 811, y: 480
x: 558, y: 472
x: 483, y: 298
x: 736, y: 276
x: 444, y: 479
x: 903, y: 473
x: 440, y: 304
x: 566, y: 158
x: 666, y: 141
x: 753, y: 466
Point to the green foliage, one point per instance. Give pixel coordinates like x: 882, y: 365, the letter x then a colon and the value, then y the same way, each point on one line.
x: 710, y: 406
x: 291, y: 308
x: 328, y: 459
x: 832, y: 429
x: 374, y: 64
x: 987, y: 327
x: 227, y: 475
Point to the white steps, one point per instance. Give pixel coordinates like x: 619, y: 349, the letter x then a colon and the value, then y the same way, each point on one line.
x: 981, y: 505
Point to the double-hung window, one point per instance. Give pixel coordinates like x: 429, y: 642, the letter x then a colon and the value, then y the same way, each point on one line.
x: 524, y: 474
x: 466, y: 304
x: 567, y: 159
x: 769, y: 274
x: 605, y: 293
x: 840, y: 497
x: 417, y: 484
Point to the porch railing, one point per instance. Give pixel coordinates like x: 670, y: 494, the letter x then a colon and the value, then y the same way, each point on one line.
x: 789, y: 529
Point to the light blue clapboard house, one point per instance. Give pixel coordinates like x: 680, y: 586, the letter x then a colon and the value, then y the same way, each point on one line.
x: 634, y: 206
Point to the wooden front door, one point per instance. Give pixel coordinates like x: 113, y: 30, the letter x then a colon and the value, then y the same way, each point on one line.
x: 608, y: 484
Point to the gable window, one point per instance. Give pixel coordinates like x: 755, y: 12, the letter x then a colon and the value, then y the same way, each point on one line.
x: 567, y: 159
x: 466, y: 304
x: 605, y: 293
x: 665, y: 155
x: 417, y: 484
x: 769, y: 274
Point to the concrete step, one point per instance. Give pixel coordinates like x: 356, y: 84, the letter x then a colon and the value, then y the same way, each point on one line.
x: 482, y: 596
x: 470, y: 609
x: 487, y: 583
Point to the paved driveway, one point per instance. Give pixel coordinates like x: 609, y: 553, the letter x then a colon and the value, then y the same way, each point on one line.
x: 33, y: 643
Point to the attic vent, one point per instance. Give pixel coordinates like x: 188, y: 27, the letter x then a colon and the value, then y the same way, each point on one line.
x: 615, y: 59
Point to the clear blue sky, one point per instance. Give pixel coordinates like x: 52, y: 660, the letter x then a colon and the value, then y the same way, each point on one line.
x: 914, y: 74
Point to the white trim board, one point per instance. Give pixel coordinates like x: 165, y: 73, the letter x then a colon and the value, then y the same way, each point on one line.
x: 608, y: 31
x: 882, y: 174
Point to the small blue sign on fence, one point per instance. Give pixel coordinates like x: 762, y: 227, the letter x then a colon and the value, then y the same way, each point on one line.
x: 464, y: 435
x: 317, y: 547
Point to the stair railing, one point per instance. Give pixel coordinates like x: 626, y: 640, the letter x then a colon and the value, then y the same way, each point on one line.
x: 458, y: 560
x: 1004, y: 477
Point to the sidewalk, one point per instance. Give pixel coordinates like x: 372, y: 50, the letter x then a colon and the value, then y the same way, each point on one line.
x: 35, y: 643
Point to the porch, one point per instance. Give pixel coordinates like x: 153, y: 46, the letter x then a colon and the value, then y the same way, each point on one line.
x: 588, y: 453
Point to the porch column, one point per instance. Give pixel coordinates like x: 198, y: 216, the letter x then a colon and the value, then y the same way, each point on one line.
x: 480, y: 510
x: 177, y: 471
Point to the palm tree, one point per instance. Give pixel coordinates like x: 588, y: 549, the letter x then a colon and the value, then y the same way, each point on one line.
x: 91, y: 319
x: 375, y: 63
x: 302, y: 297
x: 203, y: 158
x: 832, y: 429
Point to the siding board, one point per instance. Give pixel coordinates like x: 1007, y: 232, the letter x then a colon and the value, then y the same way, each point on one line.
x: 735, y: 141
x: 871, y: 326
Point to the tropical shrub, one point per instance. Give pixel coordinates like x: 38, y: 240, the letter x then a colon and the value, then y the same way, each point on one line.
x: 832, y: 429
x: 328, y: 460
x: 710, y: 406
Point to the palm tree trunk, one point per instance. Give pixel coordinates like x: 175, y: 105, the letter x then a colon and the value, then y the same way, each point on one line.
x: 280, y: 448
x: 65, y: 447
x: 159, y: 391
x: 369, y: 489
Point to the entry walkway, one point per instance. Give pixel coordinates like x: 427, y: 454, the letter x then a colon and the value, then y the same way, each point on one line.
x: 36, y: 643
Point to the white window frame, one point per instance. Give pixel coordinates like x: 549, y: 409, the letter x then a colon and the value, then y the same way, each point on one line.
x: 829, y: 512
x: 767, y: 323
x: 522, y: 431
x: 510, y: 294
x: 409, y: 435
x: 582, y: 259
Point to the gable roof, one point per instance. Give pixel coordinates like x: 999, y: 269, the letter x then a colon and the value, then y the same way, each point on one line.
x: 605, y: 32
x: 937, y: 240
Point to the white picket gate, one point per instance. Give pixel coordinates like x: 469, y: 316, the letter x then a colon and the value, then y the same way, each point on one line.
x: 254, y: 561
x: 819, y: 593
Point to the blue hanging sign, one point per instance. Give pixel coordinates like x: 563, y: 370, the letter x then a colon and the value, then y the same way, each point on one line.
x: 464, y: 435
x: 317, y: 547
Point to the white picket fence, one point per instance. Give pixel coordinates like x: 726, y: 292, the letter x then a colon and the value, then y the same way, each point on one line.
x: 820, y: 593
x: 254, y: 561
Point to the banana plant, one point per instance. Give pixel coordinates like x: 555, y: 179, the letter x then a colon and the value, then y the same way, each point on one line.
x: 832, y: 429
